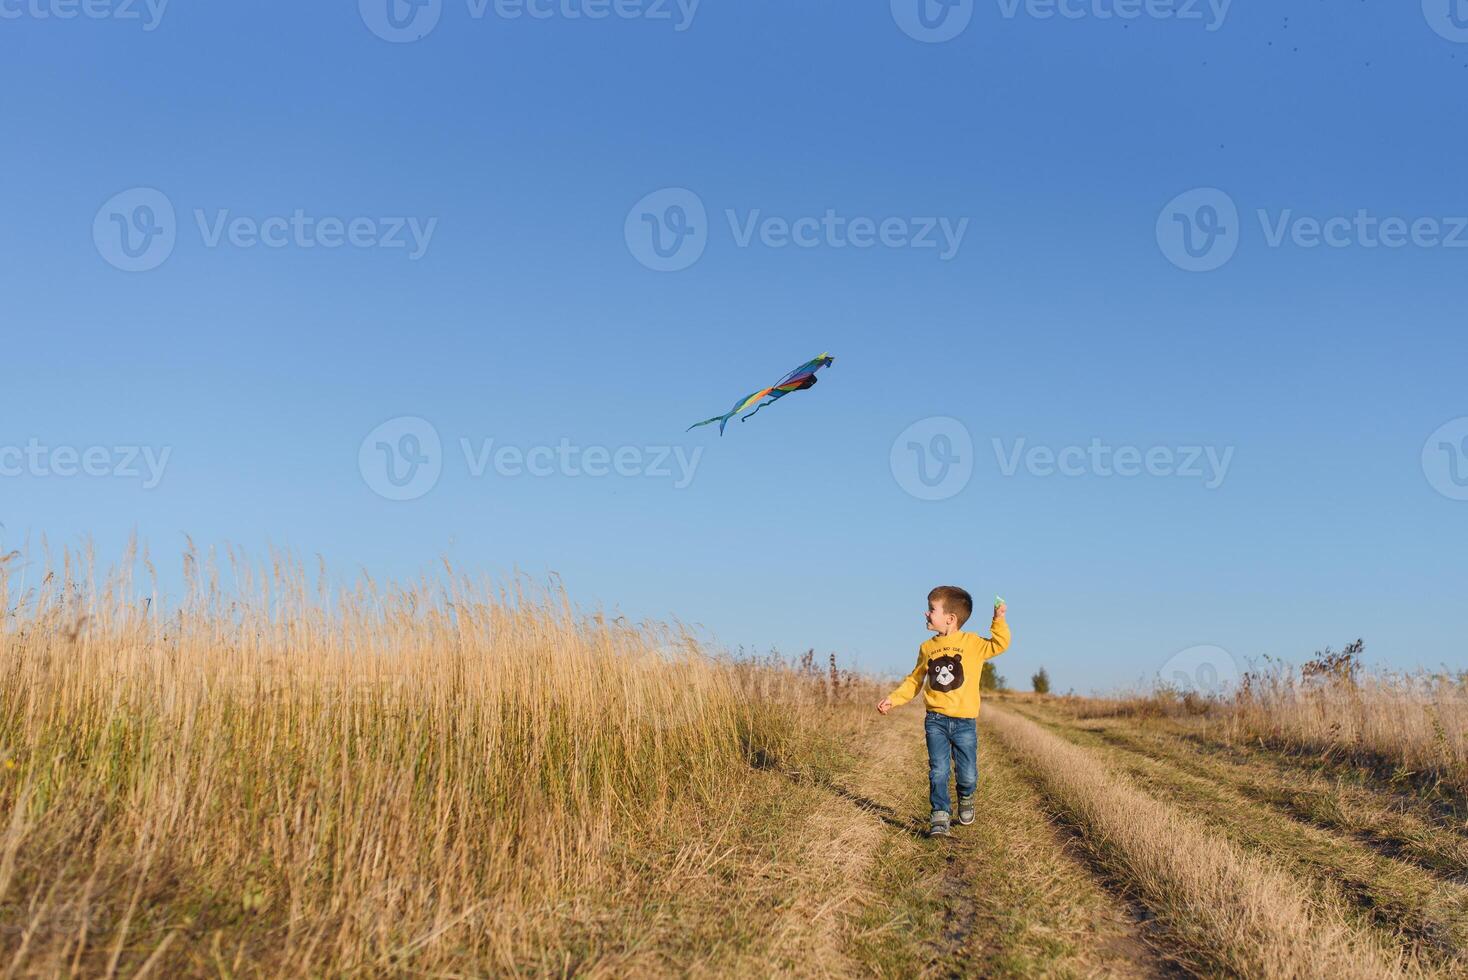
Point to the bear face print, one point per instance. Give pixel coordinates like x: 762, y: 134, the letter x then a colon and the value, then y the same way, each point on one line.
x: 945, y: 673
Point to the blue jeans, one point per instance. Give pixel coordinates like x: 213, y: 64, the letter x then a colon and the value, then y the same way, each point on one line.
x: 953, y: 743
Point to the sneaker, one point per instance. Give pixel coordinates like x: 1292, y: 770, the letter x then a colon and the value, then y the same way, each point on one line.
x: 965, y: 810
x: 939, y: 826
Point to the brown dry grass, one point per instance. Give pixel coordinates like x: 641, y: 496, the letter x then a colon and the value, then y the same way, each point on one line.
x: 1233, y: 911
x: 450, y: 778
x: 1407, y: 728
x: 276, y: 778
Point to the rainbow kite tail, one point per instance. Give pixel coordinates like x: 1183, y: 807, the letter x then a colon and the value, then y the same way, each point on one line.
x: 723, y: 420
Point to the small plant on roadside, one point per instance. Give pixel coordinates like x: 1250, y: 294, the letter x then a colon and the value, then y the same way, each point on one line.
x: 1196, y: 704
x: 1328, y: 668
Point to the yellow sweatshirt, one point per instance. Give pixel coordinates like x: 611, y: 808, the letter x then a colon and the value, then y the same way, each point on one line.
x: 952, y: 665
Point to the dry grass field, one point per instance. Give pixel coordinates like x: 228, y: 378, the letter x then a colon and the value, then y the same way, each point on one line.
x: 271, y: 778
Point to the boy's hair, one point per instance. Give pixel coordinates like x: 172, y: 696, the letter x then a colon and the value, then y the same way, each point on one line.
x: 954, y: 600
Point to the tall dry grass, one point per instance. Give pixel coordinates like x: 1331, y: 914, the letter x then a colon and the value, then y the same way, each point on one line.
x: 1409, y: 727
x: 1415, y: 725
x: 271, y: 776
x: 1242, y: 916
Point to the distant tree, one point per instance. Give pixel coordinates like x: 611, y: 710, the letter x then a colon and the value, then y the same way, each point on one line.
x: 988, y: 680
x: 1041, y: 681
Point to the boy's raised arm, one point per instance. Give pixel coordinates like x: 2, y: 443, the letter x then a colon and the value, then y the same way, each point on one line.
x: 993, y: 647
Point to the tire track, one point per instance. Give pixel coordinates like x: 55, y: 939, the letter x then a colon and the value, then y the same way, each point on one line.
x: 1231, y: 910
x: 1416, y: 910
x: 1115, y: 929
x: 1010, y: 895
x: 1431, y: 846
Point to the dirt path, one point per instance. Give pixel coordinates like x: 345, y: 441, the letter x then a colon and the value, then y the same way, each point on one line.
x: 1409, y: 906
x: 839, y: 842
x: 1395, y: 824
x: 1101, y: 849
x: 1008, y: 896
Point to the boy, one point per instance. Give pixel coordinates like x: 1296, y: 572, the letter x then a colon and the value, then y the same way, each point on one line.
x: 951, y: 662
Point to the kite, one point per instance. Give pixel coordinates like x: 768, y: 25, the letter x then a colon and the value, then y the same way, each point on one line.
x: 798, y: 380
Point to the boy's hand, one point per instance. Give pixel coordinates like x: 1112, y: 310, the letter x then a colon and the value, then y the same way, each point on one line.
x: 884, y: 705
x: 999, y: 610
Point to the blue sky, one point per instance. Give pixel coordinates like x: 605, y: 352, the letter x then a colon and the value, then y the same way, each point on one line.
x: 1073, y: 161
